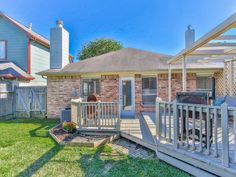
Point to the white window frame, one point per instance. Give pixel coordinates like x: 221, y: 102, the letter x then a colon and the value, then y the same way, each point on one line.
x: 5, y: 56
x: 95, y: 86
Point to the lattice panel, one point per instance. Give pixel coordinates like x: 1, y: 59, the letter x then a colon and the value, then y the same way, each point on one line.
x: 219, y: 83
x: 234, y: 77
x: 230, y: 77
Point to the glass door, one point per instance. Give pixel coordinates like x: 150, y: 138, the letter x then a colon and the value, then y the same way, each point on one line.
x: 127, y: 97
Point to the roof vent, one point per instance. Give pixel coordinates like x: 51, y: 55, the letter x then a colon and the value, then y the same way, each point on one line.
x: 59, y: 23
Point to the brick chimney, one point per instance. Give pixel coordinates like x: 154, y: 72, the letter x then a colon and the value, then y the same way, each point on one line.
x: 59, y: 46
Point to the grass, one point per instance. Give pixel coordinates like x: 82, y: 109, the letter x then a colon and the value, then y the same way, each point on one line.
x: 26, y: 149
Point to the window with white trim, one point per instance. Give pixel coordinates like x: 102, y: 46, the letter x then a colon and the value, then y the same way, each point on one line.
x: 149, y: 90
x: 204, y: 83
x: 3, y: 47
x: 90, y: 86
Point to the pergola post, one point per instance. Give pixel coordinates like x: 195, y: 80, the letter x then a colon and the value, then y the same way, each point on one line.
x: 184, y: 75
x: 169, y: 83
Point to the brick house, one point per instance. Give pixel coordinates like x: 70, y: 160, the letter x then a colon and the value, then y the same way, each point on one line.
x: 133, y: 77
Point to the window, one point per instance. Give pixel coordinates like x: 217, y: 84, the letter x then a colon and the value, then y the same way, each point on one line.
x: 149, y: 90
x: 204, y: 83
x: 91, y: 86
x: 3, y: 47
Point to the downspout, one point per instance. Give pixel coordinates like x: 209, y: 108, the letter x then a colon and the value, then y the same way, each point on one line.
x: 29, y: 55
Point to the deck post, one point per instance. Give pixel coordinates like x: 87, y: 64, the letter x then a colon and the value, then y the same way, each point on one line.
x: 99, y: 115
x: 158, y: 120
x: 118, y: 114
x: 184, y: 77
x: 234, y: 120
x: 79, y: 115
x: 225, y: 137
x: 176, y: 123
x: 169, y: 82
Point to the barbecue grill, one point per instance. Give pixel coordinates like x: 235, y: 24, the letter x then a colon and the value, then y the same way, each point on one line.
x: 193, y: 97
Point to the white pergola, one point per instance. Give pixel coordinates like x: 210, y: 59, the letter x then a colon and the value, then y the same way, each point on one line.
x: 217, y: 45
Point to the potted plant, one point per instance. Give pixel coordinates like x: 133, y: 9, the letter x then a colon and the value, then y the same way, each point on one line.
x: 69, y: 127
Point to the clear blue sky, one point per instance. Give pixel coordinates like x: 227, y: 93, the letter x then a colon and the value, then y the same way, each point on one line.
x: 155, y: 25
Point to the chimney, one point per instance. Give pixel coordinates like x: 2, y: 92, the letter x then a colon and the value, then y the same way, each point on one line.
x: 30, y: 26
x: 189, y: 36
x: 59, y: 46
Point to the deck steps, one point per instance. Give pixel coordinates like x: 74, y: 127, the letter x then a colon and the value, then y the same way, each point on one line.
x: 150, y: 123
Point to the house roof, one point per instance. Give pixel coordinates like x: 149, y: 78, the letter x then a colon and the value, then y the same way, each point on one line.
x: 32, y: 34
x: 9, y: 70
x: 124, y: 60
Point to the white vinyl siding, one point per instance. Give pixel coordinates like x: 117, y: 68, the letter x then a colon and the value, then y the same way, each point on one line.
x: 40, y: 57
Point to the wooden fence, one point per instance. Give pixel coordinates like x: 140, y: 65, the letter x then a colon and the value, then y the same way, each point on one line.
x: 7, y: 103
x: 96, y: 115
x: 206, y: 130
x: 23, y: 102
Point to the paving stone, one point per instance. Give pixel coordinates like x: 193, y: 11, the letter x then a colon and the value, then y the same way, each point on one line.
x: 132, y: 149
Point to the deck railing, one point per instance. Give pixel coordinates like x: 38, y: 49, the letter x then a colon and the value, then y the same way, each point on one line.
x: 204, y: 129
x: 96, y: 115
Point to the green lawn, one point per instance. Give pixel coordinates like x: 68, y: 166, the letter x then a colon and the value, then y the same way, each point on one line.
x: 26, y: 149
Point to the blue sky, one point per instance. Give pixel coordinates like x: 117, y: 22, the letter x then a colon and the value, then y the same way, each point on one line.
x: 152, y: 25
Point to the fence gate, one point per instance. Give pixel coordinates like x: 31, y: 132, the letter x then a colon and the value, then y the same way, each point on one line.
x: 31, y: 101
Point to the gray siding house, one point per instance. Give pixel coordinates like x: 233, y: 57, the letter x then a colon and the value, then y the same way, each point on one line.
x: 26, y: 49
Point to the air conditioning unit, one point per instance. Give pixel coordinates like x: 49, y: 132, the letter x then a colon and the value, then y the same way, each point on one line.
x: 65, y: 115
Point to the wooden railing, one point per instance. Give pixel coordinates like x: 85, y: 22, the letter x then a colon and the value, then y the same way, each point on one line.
x: 96, y: 115
x: 204, y: 129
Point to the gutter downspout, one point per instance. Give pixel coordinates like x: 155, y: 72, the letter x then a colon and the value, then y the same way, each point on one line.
x: 29, y: 55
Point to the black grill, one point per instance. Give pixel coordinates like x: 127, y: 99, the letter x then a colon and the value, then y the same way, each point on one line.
x: 193, y: 97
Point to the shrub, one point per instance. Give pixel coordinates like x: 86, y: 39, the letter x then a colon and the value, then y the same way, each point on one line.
x: 69, y: 126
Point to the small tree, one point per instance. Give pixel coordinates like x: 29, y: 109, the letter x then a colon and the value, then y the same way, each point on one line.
x: 98, y: 47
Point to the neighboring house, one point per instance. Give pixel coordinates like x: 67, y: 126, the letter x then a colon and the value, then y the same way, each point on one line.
x: 28, y: 50
x: 23, y: 47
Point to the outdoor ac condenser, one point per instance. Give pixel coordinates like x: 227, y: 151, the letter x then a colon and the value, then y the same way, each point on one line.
x: 65, y: 115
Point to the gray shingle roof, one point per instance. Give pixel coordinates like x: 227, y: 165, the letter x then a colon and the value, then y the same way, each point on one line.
x: 126, y: 60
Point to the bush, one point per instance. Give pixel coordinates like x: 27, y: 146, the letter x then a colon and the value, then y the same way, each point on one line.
x: 69, y: 126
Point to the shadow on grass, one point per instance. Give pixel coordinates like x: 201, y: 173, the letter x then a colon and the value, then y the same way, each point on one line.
x: 42, y: 125
x: 30, y: 170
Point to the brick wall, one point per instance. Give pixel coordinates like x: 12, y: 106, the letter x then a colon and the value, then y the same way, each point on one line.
x: 176, y: 84
x: 60, y: 92
x: 109, y: 88
x: 138, y: 92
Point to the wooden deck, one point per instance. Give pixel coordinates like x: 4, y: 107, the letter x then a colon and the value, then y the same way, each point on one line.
x: 203, y: 154
x: 142, y: 130
x: 136, y: 130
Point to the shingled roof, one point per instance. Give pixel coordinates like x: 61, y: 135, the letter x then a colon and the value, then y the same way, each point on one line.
x: 125, y: 60
x: 9, y: 70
